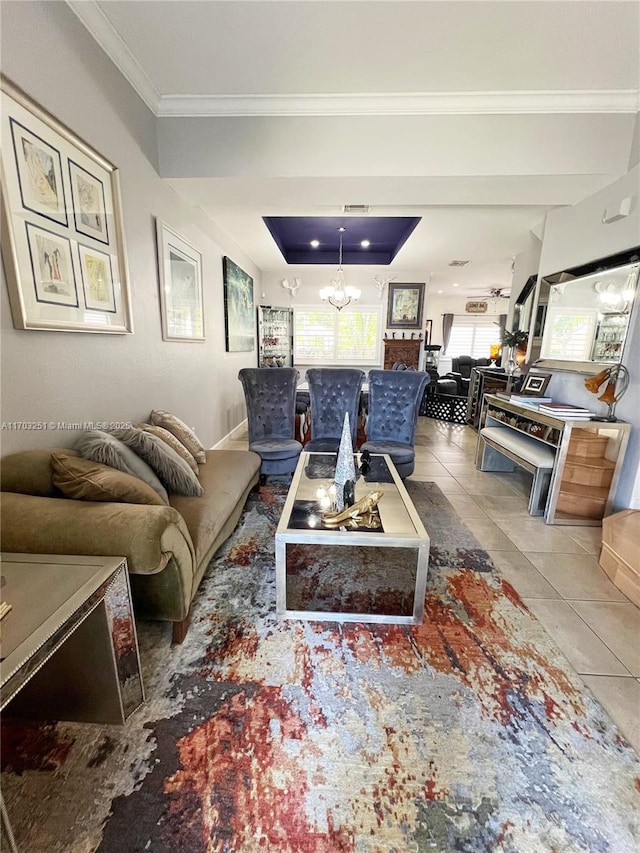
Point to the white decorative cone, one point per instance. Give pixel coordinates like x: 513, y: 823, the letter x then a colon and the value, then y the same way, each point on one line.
x: 345, y: 468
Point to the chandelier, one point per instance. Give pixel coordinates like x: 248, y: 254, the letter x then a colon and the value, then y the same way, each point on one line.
x: 337, y: 293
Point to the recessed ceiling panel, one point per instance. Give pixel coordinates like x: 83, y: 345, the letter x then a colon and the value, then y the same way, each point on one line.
x: 316, y: 239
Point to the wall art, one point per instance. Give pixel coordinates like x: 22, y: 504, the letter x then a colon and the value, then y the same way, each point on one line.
x: 62, y: 234
x: 239, y: 315
x: 181, y: 288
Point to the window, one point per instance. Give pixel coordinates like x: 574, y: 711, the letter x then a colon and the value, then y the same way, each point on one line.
x: 327, y: 336
x: 473, y: 336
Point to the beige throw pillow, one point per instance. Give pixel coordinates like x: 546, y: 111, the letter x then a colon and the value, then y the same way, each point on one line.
x: 84, y: 480
x: 170, y: 439
x: 181, y: 431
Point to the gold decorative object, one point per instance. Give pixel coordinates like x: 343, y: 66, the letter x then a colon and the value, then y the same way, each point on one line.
x: 362, y: 513
x: 617, y: 379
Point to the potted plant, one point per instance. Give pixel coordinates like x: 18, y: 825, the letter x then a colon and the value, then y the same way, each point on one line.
x: 516, y: 345
x: 514, y: 339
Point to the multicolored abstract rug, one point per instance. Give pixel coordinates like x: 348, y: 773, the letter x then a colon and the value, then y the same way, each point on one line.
x: 469, y: 733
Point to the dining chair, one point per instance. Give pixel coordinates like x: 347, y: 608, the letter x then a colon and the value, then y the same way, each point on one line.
x: 394, y: 402
x: 270, y: 396
x: 333, y: 391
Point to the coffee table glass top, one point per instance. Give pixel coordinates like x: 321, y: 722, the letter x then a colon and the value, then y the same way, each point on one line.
x: 307, y: 498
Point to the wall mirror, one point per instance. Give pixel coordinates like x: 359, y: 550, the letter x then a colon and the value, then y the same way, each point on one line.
x: 587, y: 319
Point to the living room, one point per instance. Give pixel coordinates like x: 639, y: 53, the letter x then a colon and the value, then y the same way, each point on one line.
x: 63, y: 377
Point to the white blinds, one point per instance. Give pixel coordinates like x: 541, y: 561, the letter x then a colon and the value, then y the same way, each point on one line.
x: 473, y: 336
x: 327, y: 336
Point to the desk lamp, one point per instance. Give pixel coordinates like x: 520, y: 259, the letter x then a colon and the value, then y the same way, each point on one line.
x: 617, y: 382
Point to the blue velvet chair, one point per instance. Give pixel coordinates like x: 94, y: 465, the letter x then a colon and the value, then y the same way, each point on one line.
x: 270, y: 396
x: 333, y: 391
x: 394, y: 402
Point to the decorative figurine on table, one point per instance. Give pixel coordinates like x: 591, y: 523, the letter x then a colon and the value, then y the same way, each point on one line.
x: 363, y: 513
x: 365, y: 462
x: 345, y: 467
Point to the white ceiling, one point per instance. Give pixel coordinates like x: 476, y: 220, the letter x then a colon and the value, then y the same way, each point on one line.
x: 478, y: 116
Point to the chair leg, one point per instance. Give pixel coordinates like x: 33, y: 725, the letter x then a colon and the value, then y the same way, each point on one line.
x: 180, y: 630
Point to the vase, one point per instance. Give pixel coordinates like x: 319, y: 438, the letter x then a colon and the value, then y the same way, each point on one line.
x: 510, y: 361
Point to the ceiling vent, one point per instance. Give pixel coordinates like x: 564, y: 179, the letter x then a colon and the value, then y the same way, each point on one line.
x: 358, y: 209
x: 458, y: 263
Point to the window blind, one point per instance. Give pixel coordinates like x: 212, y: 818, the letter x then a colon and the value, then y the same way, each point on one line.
x: 326, y: 336
x: 473, y: 336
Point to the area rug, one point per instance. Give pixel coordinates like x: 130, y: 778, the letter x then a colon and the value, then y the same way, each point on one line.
x: 470, y: 732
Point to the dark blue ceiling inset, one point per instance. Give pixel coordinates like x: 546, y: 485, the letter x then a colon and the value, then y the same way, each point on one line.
x: 386, y: 235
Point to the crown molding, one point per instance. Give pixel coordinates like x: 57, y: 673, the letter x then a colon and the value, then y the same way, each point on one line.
x: 95, y: 21
x: 422, y: 103
x: 418, y: 103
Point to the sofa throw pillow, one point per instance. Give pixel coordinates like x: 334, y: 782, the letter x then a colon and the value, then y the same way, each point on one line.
x: 170, y: 439
x: 172, y: 470
x: 181, y: 431
x: 82, y: 479
x: 101, y: 447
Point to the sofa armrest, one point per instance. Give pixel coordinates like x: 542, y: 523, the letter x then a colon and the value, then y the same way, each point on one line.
x: 148, y: 536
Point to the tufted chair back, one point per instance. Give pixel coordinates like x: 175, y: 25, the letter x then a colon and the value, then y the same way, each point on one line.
x: 394, y: 402
x: 270, y: 396
x: 333, y: 391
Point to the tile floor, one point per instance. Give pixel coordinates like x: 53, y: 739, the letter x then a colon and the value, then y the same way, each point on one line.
x: 553, y: 568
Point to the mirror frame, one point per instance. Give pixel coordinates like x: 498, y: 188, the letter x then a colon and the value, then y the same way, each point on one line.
x: 628, y: 258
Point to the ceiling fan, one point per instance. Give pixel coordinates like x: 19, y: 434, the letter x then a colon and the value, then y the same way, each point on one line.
x: 495, y: 293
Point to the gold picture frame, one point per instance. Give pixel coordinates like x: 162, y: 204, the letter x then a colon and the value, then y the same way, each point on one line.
x: 62, y: 234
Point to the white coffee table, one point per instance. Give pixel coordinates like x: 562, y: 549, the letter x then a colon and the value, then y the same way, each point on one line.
x: 393, y: 559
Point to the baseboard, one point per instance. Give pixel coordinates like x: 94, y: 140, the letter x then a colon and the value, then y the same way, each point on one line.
x: 242, y: 426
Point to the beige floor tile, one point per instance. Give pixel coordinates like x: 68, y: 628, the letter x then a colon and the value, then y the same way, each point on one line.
x: 532, y: 534
x: 589, y: 537
x: 424, y: 455
x: 617, y: 624
x: 522, y: 575
x: 466, y: 507
x: 430, y: 469
x: 621, y: 698
x: 460, y: 469
x: 489, y: 534
x: 483, y: 483
x: 446, y: 456
x: 498, y: 507
x: 447, y: 485
x: 576, y: 576
x: 587, y: 653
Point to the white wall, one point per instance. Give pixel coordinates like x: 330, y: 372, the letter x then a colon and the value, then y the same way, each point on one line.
x: 574, y: 236
x: 60, y: 376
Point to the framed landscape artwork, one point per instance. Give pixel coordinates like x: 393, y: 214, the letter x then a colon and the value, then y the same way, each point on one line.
x: 181, y: 290
x: 62, y: 234
x: 239, y: 315
x: 404, y: 306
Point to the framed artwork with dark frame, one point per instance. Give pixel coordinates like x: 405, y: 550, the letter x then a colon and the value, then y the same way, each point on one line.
x: 534, y: 384
x: 62, y: 233
x: 181, y: 287
x: 239, y: 314
x: 404, y: 306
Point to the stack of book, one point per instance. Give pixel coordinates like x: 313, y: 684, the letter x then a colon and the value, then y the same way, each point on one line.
x: 565, y: 410
x: 528, y: 398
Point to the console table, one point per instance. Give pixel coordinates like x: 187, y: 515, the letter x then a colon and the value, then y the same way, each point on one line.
x: 583, y: 458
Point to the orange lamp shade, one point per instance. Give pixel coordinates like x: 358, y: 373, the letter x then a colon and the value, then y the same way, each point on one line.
x: 609, y: 395
x: 494, y: 350
x: 593, y: 383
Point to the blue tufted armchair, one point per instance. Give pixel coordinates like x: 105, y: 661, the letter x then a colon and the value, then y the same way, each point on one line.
x: 394, y: 401
x: 332, y: 391
x: 270, y: 396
